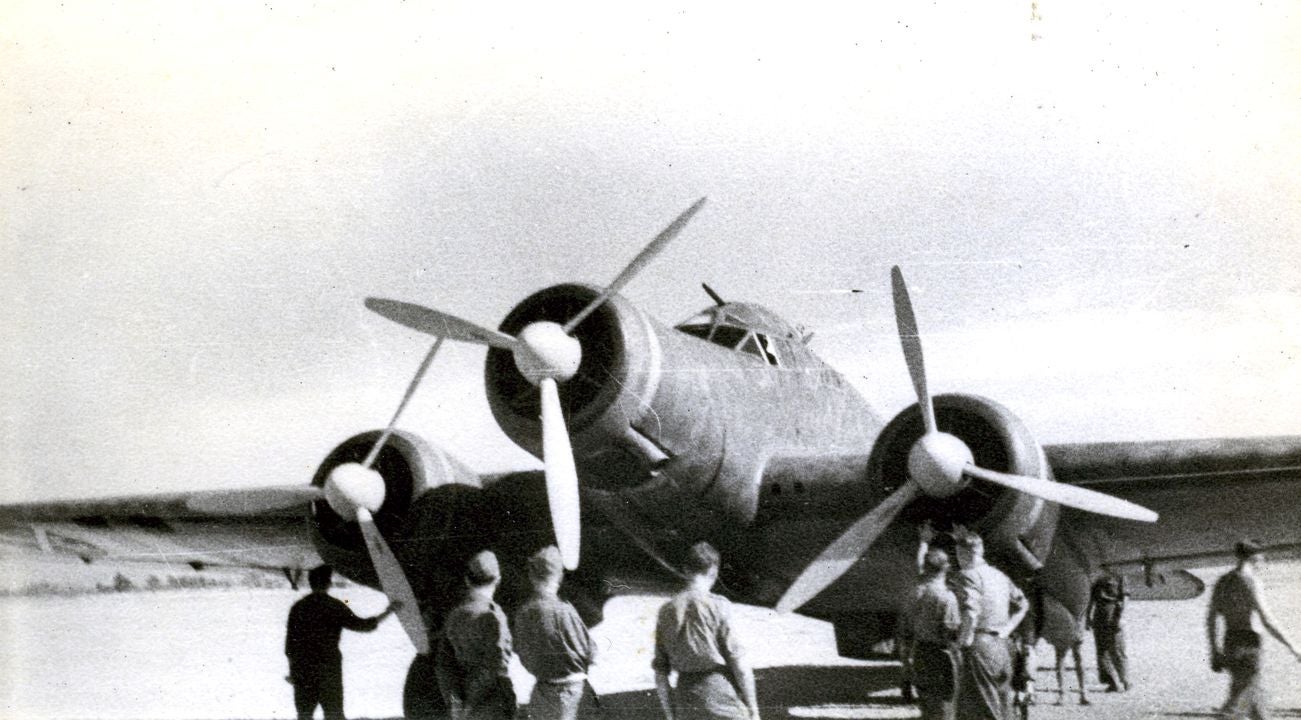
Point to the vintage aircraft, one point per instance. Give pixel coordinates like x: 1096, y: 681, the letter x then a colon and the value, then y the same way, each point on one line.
x: 728, y: 428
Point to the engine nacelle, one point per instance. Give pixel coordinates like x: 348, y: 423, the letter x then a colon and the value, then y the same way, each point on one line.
x: 1017, y: 529
x: 430, y: 497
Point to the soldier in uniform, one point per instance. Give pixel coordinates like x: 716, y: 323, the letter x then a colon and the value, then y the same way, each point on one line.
x: 694, y: 638
x: 312, y: 646
x: 1103, y: 617
x: 474, y: 652
x: 552, y: 642
x: 932, y: 621
x: 1239, y: 599
x: 991, y: 606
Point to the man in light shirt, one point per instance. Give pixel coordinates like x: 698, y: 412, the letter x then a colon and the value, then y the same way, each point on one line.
x: 695, y: 639
x: 992, y: 606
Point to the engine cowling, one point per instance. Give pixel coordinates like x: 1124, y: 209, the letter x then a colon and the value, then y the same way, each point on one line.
x: 430, y: 497
x: 1018, y: 529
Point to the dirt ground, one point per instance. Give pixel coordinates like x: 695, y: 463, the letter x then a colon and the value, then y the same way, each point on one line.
x: 218, y: 654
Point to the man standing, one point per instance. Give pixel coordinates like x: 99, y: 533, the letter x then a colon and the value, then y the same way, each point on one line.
x: 694, y: 637
x: 991, y: 606
x: 1062, y: 646
x: 552, y: 641
x: 1240, y: 599
x: 474, y: 652
x: 932, y: 622
x: 312, y: 646
x: 1102, y: 616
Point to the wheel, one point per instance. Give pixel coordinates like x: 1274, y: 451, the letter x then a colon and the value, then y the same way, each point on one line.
x: 421, y: 699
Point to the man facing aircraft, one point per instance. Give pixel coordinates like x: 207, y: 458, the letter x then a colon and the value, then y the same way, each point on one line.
x: 312, y: 646
x: 694, y: 637
x: 992, y: 606
x: 552, y: 642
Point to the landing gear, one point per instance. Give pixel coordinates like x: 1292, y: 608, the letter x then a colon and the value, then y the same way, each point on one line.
x: 421, y: 699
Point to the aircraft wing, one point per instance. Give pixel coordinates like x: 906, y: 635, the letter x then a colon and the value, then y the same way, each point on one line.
x: 1209, y: 494
x: 261, y: 528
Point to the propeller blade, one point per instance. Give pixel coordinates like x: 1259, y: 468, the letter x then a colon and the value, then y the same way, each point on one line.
x: 394, y: 582
x: 840, y: 555
x: 642, y: 260
x: 406, y: 398
x: 439, y: 324
x: 1069, y: 495
x: 562, y: 477
x: 911, y: 341
x: 252, y: 501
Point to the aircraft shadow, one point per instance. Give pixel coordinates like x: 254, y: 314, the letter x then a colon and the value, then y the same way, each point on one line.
x: 808, y: 687
x: 817, y: 690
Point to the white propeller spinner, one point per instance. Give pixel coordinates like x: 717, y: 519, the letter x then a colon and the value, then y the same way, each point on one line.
x: 937, y: 463
x: 545, y: 350
x: 352, y: 487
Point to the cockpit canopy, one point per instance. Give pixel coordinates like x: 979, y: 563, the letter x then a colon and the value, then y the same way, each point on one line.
x: 743, y: 327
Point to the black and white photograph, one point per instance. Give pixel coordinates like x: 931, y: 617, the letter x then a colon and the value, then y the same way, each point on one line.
x: 453, y: 360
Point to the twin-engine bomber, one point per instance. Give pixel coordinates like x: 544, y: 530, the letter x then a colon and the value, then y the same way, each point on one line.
x: 725, y: 428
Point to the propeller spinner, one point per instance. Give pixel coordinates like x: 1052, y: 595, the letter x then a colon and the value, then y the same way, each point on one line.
x: 547, y: 354
x: 355, y: 491
x: 939, y: 465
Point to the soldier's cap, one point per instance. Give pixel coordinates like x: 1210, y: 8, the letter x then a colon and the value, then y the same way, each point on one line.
x: 482, y: 569
x: 936, y: 561
x: 971, y: 541
x: 546, y: 565
x: 1246, y: 548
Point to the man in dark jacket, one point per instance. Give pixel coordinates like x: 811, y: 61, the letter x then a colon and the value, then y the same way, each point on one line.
x: 312, y: 646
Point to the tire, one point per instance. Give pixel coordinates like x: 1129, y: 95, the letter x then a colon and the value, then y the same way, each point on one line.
x: 421, y: 699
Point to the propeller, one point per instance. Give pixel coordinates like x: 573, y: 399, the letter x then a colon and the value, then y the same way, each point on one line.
x: 355, y: 491
x: 939, y: 465
x: 547, y: 354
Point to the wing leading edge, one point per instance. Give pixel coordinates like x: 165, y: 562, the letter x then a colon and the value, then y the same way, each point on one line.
x: 257, y: 528
x: 1209, y: 493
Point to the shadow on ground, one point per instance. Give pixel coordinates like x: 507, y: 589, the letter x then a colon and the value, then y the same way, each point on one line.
x: 814, y: 691
x: 781, y: 688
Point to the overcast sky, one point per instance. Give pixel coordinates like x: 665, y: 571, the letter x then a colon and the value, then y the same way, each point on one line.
x: 1096, y: 208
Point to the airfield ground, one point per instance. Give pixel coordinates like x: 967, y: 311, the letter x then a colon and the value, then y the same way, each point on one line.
x: 218, y: 654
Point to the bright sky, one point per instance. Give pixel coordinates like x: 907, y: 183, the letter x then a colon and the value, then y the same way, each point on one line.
x: 1096, y: 209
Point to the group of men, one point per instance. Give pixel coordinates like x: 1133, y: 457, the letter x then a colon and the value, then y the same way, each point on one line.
x: 473, y: 649
x: 957, y: 626
x: 962, y: 665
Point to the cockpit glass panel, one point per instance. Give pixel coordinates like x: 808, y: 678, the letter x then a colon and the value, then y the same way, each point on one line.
x: 728, y: 336
x: 701, y: 318
x: 700, y: 331
x: 728, y: 330
x: 769, y: 349
x: 751, y: 345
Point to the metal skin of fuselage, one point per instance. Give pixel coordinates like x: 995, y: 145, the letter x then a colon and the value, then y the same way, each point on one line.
x: 770, y: 455
x: 678, y: 439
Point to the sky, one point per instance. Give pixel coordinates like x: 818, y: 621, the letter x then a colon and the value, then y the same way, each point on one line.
x: 1096, y: 209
